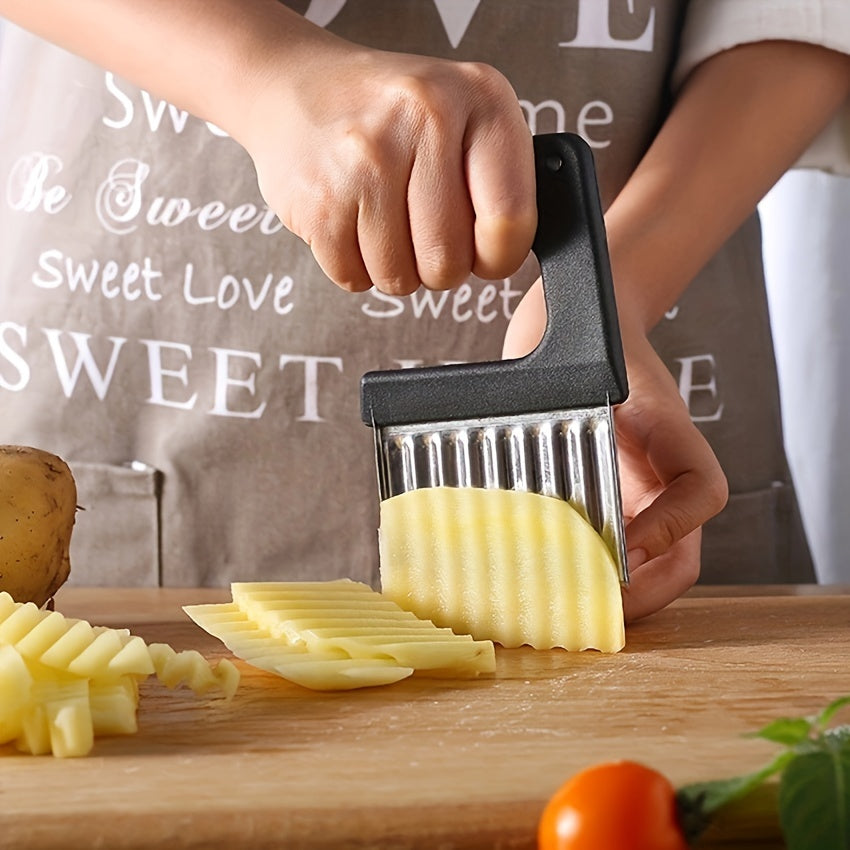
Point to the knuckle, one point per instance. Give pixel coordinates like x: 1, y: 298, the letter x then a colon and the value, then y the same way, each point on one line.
x: 345, y: 277
x: 673, y: 526
x: 408, y: 91
x: 313, y: 215
x: 336, y: 262
x: 392, y: 271
x: 441, y: 267
x: 363, y: 152
x: 484, y: 77
x: 404, y: 105
x: 420, y: 104
x: 315, y: 229
x: 331, y: 263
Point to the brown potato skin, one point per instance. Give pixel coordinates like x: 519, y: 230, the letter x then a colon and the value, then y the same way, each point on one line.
x: 38, y: 504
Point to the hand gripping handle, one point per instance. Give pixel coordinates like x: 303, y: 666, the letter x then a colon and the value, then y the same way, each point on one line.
x: 578, y: 363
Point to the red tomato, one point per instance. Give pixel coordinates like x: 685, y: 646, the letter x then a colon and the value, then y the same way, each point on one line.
x: 616, y: 806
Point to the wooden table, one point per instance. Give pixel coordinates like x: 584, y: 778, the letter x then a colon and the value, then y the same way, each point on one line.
x: 431, y: 763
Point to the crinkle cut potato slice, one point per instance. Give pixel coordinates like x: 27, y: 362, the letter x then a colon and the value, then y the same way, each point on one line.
x: 363, y: 623
x: 317, y: 670
x: 333, y: 635
x: 512, y: 567
x: 63, y: 681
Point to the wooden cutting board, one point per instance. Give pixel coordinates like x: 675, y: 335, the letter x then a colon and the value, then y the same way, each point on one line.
x: 430, y: 762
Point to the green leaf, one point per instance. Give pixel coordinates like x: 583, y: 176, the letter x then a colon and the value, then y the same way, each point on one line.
x: 698, y: 801
x: 787, y: 730
x: 814, y: 796
x: 827, y: 714
x: 814, y: 800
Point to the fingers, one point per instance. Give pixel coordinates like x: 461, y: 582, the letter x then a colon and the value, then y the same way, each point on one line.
x: 411, y: 172
x: 415, y: 227
x: 383, y: 233
x: 336, y: 248
x: 440, y: 217
x: 500, y: 176
x: 655, y: 584
x: 503, y: 198
x: 471, y: 192
x: 352, y: 212
x: 671, y: 482
x: 690, y: 485
x: 474, y: 213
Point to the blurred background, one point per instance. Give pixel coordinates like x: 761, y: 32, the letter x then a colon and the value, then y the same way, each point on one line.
x: 806, y: 233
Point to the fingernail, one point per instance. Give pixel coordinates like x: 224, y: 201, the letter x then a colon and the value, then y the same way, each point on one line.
x: 636, y: 557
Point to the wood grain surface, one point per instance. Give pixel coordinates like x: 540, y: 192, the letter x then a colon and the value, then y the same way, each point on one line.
x: 427, y: 762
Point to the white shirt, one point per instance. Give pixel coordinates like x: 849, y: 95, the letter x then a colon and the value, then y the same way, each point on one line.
x: 716, y: 25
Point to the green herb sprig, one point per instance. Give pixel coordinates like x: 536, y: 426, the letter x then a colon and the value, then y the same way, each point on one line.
x: 814, y: 784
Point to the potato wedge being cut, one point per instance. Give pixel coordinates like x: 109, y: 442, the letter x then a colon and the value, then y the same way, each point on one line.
x: 512, y: 567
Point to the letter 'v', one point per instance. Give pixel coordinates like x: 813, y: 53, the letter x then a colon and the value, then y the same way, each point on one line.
x: 455, y: 15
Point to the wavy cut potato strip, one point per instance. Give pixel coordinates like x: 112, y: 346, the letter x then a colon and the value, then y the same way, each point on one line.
x: 41, y: 709
x: 363, y: 623
x: 62, y: 722
x: 15, y: 687
x: 41, y: 636
x: 513, y: 567
x: 317, y: 670
x: 113, y: 704
x: 133, y: 659
x: 190, y: 667
x: 95, y: 658
x: 69, y: 644
x: 339, y: 674
x: 64, y: 681
x: 19, y: 620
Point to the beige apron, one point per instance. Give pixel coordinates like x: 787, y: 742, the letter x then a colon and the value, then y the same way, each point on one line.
x: 161, y: 331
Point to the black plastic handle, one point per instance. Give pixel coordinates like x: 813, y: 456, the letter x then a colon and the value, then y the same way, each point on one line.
x: 578, y: 363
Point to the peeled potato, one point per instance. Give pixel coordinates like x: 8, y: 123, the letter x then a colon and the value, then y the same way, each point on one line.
x: 38, y: 503
x: 512, y: 567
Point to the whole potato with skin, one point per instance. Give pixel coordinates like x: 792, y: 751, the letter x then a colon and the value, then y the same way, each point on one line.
x: 38, y: 504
